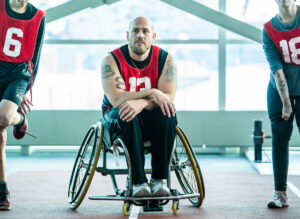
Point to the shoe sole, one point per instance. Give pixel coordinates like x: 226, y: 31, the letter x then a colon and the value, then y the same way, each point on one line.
x: 142, y: 193
x: 4, y: 208
x: 161, y: 193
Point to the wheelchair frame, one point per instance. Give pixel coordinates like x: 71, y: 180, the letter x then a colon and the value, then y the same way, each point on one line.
x: 99, y: 139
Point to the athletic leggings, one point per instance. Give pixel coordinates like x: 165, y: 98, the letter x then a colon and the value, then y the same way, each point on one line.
x: 281, y: 134
x: 147, y: 125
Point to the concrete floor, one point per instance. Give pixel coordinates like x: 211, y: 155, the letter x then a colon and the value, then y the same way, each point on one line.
x: 234, y: 189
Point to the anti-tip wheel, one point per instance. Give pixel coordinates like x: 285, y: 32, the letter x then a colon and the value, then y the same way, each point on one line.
x: 175, y: 207
x: 126, y: 209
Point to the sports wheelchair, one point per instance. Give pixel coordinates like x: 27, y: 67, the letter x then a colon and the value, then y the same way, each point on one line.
x: 92, y: 156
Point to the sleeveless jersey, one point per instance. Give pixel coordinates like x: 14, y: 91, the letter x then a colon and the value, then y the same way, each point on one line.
x: 18, y: 37
x: 139, y: 79
x: 287, y: 42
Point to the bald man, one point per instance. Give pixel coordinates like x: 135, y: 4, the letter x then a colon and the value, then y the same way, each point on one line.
x: 139, y: 80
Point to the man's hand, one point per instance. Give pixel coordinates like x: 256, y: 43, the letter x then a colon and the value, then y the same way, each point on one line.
x: 286, y: 109
x: 131, y: 108
x: 165, y: 103
x: 25, y: 105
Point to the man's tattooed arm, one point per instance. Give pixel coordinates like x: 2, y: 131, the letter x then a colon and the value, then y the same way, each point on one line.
x: 171, y: 71
x: 120, y: 83
x: 107, y: 71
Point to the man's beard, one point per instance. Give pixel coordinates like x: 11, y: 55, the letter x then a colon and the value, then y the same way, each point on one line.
x: 137, y: 50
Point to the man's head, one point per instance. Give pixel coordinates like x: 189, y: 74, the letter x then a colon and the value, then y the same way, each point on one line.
x: 140, y: 35
x: 284, y: 3
x: 19, y: 3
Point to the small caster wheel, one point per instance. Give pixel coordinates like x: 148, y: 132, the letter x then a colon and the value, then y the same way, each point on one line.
x: 175, y: 207
x: 126, y: 209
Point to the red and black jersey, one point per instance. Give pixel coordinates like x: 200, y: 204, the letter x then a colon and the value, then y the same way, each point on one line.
x: 287, y: 42
x: 18, y: 37
x: 139, y: 79
x: 138, y: 75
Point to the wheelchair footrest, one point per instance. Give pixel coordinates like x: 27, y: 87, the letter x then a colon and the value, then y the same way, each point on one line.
x: 152, y: 208
x: 124, y: 198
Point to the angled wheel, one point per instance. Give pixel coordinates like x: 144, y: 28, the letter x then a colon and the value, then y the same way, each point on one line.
x: 85, y: 165
x: 126, y: 209
x: 187, y: 169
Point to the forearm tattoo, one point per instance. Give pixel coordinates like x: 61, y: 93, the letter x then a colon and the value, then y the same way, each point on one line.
x: 107, y: 71
x: 281, y: 82
x: 120, y: 83
x: 171, y: 71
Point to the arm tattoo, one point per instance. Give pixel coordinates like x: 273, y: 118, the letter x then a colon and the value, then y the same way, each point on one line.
x: 120, y: 83
x: 107, y: 71
x: 282, y: 83
x: 171, y: 71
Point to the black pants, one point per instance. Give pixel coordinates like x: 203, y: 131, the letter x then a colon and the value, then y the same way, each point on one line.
x: 281, y: 134
x: 148, y: 125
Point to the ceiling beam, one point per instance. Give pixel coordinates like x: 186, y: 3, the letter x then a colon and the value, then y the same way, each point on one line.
x: 73, y: 6
x: 229, y: 23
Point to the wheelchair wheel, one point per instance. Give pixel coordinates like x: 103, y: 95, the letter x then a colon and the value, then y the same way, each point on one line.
x: 187, y: 169
x: 85, y: 165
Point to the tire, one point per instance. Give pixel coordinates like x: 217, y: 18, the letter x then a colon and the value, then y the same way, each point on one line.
x: 85, y: 166
x: 187, y: 169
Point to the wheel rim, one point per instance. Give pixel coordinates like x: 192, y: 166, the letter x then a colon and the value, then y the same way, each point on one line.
x: 82, y: 166
x: 186, y: 169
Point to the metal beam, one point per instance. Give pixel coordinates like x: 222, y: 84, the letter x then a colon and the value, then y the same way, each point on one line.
x: 218, y: 18
x: 222, y: 61
x: 166, y: 41
x: 73, y: 6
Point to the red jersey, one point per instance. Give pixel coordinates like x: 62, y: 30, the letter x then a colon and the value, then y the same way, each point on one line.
x: 288, y: 43
x: 139, y: 79
x: 18, y: 37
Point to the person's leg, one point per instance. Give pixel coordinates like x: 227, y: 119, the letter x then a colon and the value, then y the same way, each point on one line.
x: 11, y: 98
x: 297, y: 111
x: 281, y: 134
x: 162, y: 134
x: 8, y: 116
x: 3, y: 137
x: 162, y: 131
x: 131, y: 134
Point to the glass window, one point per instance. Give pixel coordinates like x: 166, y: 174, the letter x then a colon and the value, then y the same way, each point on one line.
x: 44, y: 5
x: 197, y: 76
x: 111, y: 22
x: 254, y: 12
x: 69, y: 77
x: 247, y: 77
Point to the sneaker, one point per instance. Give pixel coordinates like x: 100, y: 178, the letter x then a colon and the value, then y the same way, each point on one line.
x: 4, y: 200
x: 279, y: 200
x: 159, y: 188
x: 140, y: 190
x: 19, y: 131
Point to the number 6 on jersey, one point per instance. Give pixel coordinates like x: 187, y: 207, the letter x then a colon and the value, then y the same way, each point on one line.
x: 9, y: 41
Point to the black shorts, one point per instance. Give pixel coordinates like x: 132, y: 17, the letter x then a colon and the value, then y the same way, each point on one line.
x: 14, y: 90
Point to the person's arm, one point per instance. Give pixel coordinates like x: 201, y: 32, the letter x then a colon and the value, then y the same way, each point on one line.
x: 273, y: 57
x: 26, y: 104
x: 114, y: 85
x: 38, y: 48
x: 283, y: 91
x: 164, y: 95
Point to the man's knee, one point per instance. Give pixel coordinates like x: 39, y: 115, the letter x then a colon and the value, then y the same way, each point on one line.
x: 5, y: 120
x: 282, y: 128
x: 163, y: 118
